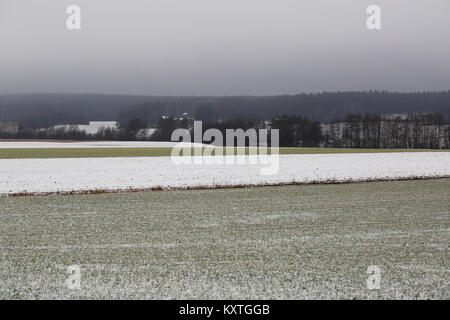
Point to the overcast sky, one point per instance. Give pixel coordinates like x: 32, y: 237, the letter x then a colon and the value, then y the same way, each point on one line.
x: 223, y: 47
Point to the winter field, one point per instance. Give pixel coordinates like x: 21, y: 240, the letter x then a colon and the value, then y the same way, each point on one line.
x: 11, y: 144
x: 67, y: 175
x: 291, y: 242
x: 23, y: 149
x: 274, y: 242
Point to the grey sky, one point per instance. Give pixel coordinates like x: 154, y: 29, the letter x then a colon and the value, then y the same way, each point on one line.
x: 222, y: 47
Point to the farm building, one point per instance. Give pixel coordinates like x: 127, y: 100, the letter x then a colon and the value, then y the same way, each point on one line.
x: 93, y: 126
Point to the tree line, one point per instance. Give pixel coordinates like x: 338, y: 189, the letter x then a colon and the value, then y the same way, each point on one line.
x: 130, y: 132
x: 405, y: 131
x: 412, y: 131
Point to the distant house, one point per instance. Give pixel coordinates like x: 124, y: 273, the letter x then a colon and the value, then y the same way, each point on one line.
x: 93, y: 127
x: 394, y: 116
x: 10, y: 127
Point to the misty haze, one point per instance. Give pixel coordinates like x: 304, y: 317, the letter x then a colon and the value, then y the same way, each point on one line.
x: 233, y: 47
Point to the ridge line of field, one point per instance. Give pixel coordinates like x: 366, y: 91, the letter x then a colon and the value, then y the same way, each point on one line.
x: 218, y: 186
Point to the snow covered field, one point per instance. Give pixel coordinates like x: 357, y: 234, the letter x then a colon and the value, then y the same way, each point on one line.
x: 83, y: 174
x: 86, y: 144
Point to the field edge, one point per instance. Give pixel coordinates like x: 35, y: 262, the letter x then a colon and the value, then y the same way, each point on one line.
x: 219, y: 186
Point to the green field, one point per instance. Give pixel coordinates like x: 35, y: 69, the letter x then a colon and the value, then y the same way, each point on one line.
x: 29, y: 153
x: 292, y: 242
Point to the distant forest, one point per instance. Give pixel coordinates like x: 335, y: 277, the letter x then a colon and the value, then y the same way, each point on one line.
x: 406, y: 131
x: 44, y: 110
x: 343, y: 119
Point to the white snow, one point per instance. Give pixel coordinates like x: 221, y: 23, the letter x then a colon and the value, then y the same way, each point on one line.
x: 86, y: 144
x: 53, y: 175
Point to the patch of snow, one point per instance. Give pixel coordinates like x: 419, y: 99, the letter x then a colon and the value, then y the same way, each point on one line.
x: 83, y: 174
x: 87, y: 144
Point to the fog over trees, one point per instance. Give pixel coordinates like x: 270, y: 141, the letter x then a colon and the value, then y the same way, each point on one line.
x: 44, y: 110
